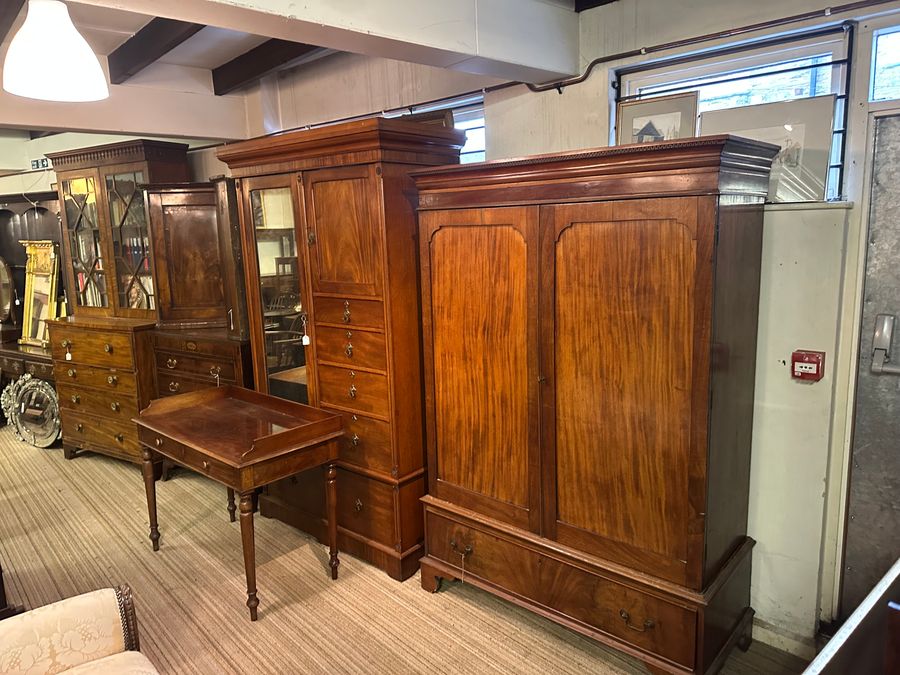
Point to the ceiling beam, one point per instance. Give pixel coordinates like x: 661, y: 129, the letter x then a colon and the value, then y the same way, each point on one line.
x: 581, y: 5
x: 34, y: 134
x: 9, y: 12
x: 268, y: 57
x: 154, y: 40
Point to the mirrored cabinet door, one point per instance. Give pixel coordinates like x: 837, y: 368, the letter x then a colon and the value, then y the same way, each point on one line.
x: 280, y: 334
x: 83, y: 239
x: 130, y: 238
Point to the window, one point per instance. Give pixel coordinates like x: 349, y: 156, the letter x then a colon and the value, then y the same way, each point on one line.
x: 471, y: 120
x: 886, y: 65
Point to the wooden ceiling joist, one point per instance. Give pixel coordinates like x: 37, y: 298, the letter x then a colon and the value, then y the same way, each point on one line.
x: 154, y: 40
x: 9, y: 11
x: 258, y: 62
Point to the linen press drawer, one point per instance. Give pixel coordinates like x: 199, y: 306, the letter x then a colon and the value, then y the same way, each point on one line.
x: 189, y: 345
x: 366, y: 442
x: 346, y: 388
x: 101, y: 378
x: 366, y: 507
x: 170, y: 383
x: 87, y: 431
x: 640, y: 619
x: 198, y: 364
x: 81, y: 399
x: 349, y: 312
x: 351, y: 347
x: 95, y: 348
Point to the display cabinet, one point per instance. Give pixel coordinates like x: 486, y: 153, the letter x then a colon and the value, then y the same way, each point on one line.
x: 329, y: 234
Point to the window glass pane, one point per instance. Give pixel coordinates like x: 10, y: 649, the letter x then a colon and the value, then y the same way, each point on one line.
x: 471, y: 120
x: 886, y: 67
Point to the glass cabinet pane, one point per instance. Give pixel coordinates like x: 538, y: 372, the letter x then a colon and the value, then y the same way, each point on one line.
x: 284, y: 321
x: 83, y: 233
x: 131, y: 240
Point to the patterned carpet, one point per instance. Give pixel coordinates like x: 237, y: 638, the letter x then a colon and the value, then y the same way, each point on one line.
x: 67, y: 527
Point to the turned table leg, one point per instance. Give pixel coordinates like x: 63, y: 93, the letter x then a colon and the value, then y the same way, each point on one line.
x: 331, y: 494
x: 150, y: 486
x: 249, y: 546
x: 231, y: 507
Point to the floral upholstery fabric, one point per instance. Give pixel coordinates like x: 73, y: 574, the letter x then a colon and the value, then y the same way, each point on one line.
x: 61, y: 636
x: 126, y: 663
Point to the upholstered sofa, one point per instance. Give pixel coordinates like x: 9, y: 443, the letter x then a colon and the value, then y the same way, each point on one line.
x: 91, y: 633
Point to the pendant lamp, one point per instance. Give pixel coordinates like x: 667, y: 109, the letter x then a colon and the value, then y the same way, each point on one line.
x: 48, y: 59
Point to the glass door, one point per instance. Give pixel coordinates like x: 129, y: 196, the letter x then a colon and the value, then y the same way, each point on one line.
x: 130, y: 237
x: 279, y: 336
x: 83, y: 239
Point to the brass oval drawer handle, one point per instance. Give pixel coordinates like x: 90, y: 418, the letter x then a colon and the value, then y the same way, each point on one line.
x: 108, y: 348
x: 355, y: 440
x: 348, y: 350
x: 119, y: 437
x: 159, y: 442
x: 174, y: 386
x: 215, y: 371
x: 205, y: 464
x: 112, y: 380
x: 76, y: 398
x: 347, y: 311
x: 455, y: 547
x: 71, y: 372
x: 171, y: 363
x: 626, y: 617
x: 79, y: 427
x: 66, y: 344
x: 358, y: 505
x: 190, y: 345
x: 114, y: 406
x: 352, y: 391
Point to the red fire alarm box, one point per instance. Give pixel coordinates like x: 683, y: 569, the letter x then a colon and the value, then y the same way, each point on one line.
x: 808, y: 365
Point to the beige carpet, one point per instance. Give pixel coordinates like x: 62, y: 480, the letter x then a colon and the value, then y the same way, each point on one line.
x: 71, y: 526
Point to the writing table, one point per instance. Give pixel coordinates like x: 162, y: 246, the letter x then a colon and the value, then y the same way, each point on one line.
x: 244, y: 440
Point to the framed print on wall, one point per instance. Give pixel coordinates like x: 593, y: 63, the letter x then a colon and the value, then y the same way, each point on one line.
x: 662, y: 118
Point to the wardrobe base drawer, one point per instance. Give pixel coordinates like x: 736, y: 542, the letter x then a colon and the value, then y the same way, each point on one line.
x: 568, y: 591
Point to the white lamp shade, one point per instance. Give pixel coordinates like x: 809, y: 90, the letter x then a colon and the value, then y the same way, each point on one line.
x: 49, y: 60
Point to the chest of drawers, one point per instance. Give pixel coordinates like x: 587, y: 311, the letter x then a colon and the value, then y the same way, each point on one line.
x: 188, y: 360
x: 104, y: 376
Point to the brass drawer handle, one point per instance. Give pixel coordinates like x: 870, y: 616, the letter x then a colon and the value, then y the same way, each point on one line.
x: 358, y: 506
x: 626, y: 617
x: 119, y: 437
x: 346, y: 311
x: 174, y: 386
x: 159, y: 442
x: 205, y: 464
x: 79, y: 427
x: 108, y: 348
x: 171, y: 363
x: 215, y: 371
x: 355, y: 440
x: 76, y: 398
x: 352, y: 391
x: 112, y: 380
x: 190, y: 345
x: 71, y: 372
x: 455, y: 547
x: 114, y: 406
x: 66, y: 344
x: 348, y: 350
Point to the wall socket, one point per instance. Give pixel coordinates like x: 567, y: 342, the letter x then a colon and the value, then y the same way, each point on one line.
x: 42, y: 163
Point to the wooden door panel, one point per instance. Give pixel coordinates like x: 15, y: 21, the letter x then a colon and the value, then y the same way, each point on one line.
x: 344, y: 207
x: 483, y: 358
x: 623, y: 361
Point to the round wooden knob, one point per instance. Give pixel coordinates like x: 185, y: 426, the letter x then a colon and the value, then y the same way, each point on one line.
x: 70, y: 372
x: 205, y: 464
x: 119, y: 437
x: 107, y: 348
x: 112, y: 380
x: 79, y: 427
x: 66, y: 344
x: 159, y: 442
x: 114, y: 406
x: 75, y: 398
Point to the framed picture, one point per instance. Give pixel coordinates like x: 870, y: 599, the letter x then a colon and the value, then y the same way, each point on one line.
x: 662, y: 118
x: 803, y: 129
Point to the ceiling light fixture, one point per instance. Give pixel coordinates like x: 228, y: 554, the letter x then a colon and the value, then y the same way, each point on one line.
x: 48, y: 59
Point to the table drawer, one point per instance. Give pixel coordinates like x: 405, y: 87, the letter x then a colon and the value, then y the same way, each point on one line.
x: 198, y: 364
x: 643, y: 620
x: 95, y: 348
x: 365, y: 392
x: 39, y: 369
x: 109, y: 379
x: 12, y: 367
x: 351, y: 347
x: 85, y: 431
x: 349, y: 312
x: 170, y: 383
x: 113, y: 405
x: 366, y: 443
x: 186, y: 456
x: 174, y: 343
x: 366, y: 507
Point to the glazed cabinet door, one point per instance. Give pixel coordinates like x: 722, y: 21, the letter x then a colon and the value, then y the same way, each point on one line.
x: 86, y: 266
x: 626, y: 349
x: 343, y: 230
x: 479, y: 280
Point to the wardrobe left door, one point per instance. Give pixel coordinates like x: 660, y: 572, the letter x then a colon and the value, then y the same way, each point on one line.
x: 276, y: 285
